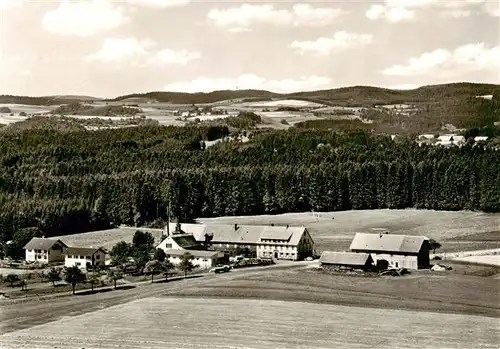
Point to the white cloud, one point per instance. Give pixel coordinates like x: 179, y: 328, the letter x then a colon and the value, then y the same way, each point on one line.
x: 250, y: 81
x: 391, y: 14
x: 116, y: 49
x: 84, y: 18
x: 305, y: 14
x: 248, y: 14
x: 140, y: 53
x: 10, y: 4
x: 404, y: 10
x: 326, y: 45
x: 464, y: 59
x: 159, y: 3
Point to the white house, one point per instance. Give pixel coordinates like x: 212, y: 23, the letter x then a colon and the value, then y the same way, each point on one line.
x: 84, y: 258
x: 201, y: 259
x: 44, y: 250
x: 263, y: 241
x: 180, y: 241
x: 401, y: 251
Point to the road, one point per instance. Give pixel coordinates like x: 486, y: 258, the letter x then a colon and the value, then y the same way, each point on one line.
x: 27, y: 312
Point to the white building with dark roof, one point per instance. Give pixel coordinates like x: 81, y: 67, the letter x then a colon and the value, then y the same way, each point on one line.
x: 401, y: 251
x: 44, y: 250
x: 84, y: 258
x: 201, y: 259
x: 264, y: 241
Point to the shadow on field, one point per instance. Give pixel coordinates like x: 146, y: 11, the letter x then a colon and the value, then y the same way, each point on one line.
x: 118, y: 288
x: 178, y: 279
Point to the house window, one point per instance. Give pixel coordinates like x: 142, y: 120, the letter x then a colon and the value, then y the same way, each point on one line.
x: 82, y: 257
x: 98, y: 256
x: 78, y: 263
x: 87, y: 257
x: 169, y: 245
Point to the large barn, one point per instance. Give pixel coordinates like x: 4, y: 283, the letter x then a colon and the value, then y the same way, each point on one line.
x: 401, y: 251
x: 263, y: 241
x: 346, y: 259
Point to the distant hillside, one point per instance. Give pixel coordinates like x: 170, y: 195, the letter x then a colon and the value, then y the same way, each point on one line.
x: 46, y: 100
x: 196, y: 98
x: 83, y: 109
x: 45, y: 123
x: 355, y: 95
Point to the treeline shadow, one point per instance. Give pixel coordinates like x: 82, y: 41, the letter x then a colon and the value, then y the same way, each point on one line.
x: 118, y: 288
x: 177, y: 279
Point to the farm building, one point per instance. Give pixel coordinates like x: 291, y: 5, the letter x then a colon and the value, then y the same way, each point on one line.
x: 274, y: 242
x: 179, y: 240
x: 201, y: 259
x: 401, y: 251
x: 44, y: 250
x: 346, y: 259
x: 84, y: 258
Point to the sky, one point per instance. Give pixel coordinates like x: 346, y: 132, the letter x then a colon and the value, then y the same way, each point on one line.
x: 107, y: 48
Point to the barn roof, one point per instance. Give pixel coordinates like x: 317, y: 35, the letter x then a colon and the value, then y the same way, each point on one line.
x: 185, y: 241
x: 42, y: 244
x: 235, y: 233
x: 387, y: 242
x: 194, y: 253
x: 344, y: 258
x: 82, y: 251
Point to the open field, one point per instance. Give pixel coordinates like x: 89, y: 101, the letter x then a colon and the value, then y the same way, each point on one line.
x: 336, y: 234
x: 215, y: 323
x: 335, y: 230
x: 487, y: 259
x: 106, y: 238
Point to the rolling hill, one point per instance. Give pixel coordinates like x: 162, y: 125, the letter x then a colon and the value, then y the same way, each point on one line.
x: 355, y: 95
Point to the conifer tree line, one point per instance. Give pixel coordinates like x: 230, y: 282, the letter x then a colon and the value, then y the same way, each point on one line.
x: 66, y: 183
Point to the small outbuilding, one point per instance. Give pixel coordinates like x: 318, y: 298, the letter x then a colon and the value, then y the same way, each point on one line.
x: 346, y: 259
x: 201, y: 259
x: 84, y: 258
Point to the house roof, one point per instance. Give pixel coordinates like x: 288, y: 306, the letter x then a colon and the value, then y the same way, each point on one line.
x: 387, y: 242
x: 82, y: 251
x: 194, y: 253
x: 250, y: 234
x: 42, y: 244
x: 275, y: 233
x: 185, y: 241
x: 344, y: 258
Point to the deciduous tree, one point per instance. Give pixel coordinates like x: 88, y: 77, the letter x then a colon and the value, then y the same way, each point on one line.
x: 74, y: 276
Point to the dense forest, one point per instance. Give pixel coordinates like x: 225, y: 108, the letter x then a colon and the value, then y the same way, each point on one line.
x: 71, y: 182
x: 85, y: 109
x: 354, y: 96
